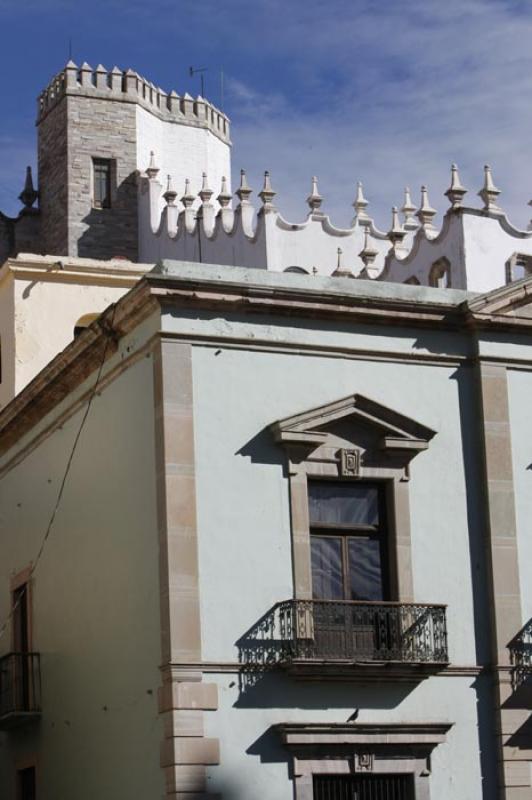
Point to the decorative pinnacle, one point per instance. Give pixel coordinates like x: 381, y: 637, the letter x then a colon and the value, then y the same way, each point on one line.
x: 243, y: 192
x: 28, y: 195
x: 489, y: 191
x: 368, y: 254
x: 205, y: 193
x: 267, y: 194
x: 153, y: 169
x: 397, y: 233
x: 314, y: 199
x: 426, y: 213
x: 456, y: 191
x: 188, y: 198
x: 409, y: 209
x: 170, y: 194
x: 341, y: 271
x: 224, y: 198
x: 360, y: 204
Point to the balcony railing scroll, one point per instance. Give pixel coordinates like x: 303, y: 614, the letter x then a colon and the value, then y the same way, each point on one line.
x: 325, y: 633
x: 521, y: 655
x: 365, y: 632
x: 20, y: 688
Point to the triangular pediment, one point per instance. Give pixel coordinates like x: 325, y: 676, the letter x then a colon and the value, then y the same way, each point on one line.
x: 512, y: 301
x: 312, y: 428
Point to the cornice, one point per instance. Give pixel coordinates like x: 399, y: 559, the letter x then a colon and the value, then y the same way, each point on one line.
x: 229, y: 290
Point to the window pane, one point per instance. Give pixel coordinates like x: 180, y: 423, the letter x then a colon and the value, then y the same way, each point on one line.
x: 102, y: 183
x: 343, y: 503
x: 327, y: 578
x: 365, y: 569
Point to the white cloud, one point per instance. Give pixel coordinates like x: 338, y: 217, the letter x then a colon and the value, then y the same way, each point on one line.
x: 416, y: 86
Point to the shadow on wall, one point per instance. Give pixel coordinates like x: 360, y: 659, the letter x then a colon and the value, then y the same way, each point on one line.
x: 112, y: 232
x: 262, y: 449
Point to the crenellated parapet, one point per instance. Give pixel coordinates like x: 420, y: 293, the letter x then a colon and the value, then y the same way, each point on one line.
x: 473, y: 249
x: 129, y: 87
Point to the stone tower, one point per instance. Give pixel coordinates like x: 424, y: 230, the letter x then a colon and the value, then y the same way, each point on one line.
x: 96, y: 131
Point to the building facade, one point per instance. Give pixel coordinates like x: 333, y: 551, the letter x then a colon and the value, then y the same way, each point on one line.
x: 293, y: 547
x: 262, y: 532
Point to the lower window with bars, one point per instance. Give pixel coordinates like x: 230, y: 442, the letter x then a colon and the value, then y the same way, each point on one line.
x: 363, y: 787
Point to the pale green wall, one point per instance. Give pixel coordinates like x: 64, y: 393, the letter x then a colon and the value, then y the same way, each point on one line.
x: 520, y: 397
x: 95, y: 598
x: 244, y: 544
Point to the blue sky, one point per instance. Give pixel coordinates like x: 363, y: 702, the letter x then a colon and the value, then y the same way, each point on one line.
x: 388, y: 92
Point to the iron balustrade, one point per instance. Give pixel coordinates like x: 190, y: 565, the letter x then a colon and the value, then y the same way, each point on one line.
x: 20, y: 686
x: 363, y: 632
x: 521, y: 655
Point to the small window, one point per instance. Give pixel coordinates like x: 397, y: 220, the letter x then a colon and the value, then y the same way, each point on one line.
x: 518, y: 267
x: 101, y: 182
x: 440, y: 274
x: 26, y: 784
x: 84, y: 322
x: 299, y: 270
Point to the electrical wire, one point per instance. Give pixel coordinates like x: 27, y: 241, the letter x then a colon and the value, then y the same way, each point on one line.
x: 109, y: 333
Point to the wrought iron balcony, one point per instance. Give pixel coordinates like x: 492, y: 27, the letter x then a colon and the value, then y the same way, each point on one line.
x: 521, y: 656
x: 20, y: 689
x: 320, y: 637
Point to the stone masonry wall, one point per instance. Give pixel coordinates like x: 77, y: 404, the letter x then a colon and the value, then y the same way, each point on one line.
x: 102, y: 129
x: 52, y: 149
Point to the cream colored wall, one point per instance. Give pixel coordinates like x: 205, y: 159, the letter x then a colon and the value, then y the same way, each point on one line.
x: 95, y: 597
x: 45, y: 314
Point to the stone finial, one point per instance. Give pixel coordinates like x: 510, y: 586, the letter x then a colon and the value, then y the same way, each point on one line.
x: 244, y: 191
x: 369, y: 253
x: 205, y: 193
x: 188, y: 198
x: 28, y: 195
x: 153, y: 170
x: 267, y: 194
x: 360, y: 204
x: 314, y: 200
x: 408, y: 209
x: 116, y: 79
x: 86, y: 74
x: 341, y: 271
x: 397, y: 233
x: 456, y: 191
x: 224, y: 198
x: 101, y: 77
x: 489, y: 191
x: 426, y: 213
x: 173, y: 102
x: 170, y: 194
x: 71, y: 74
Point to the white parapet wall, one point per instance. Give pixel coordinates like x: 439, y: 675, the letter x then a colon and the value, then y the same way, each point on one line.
x: 477, y: 249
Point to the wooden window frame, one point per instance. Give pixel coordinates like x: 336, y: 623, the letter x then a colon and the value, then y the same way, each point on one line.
x: 96, y: 162
x: 346, y: 532
x: 379, y: 449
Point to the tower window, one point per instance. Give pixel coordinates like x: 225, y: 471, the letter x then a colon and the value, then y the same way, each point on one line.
x: 101, y: 182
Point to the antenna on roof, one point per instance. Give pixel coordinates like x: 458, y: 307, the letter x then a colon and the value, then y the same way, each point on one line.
x: 199, y: 70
